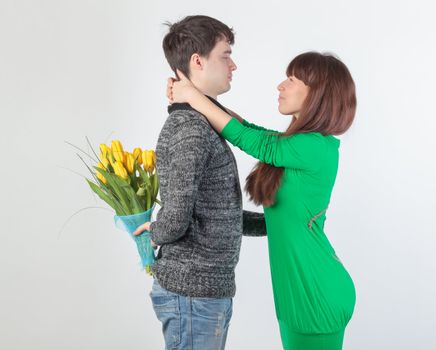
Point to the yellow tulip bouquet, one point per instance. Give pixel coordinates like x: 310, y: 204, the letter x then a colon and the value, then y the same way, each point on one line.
x: 129, y: 183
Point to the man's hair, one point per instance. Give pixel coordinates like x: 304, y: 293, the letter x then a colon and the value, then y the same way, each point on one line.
x: 193, y: 34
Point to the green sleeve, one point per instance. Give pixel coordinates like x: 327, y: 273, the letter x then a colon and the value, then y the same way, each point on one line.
x: 304, y: 151
x: 257, y: 127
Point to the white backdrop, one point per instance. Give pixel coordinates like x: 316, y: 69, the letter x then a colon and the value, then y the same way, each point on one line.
x: 70, y: 69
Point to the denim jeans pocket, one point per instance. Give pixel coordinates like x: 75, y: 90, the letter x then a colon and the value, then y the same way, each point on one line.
x: 211, y: 315
x: 167, y: 309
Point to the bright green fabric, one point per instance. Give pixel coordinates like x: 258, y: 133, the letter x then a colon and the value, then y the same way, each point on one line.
x: 257, y: 127
x: 313, y: 293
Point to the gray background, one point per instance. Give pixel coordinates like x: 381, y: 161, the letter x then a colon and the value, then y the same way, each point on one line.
x: 70, y: 69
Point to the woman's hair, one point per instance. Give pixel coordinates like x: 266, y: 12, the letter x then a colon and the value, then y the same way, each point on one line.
x: 329, y: 109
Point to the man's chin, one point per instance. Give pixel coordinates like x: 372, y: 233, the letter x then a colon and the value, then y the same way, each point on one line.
x: 226, y: 89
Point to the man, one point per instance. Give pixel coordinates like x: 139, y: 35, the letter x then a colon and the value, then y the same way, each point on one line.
x: 200, y: 224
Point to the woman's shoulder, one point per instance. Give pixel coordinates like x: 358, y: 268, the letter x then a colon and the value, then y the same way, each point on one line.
x: 314, y: 138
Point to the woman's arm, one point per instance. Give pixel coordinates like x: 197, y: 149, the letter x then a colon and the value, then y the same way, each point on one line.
x: 235, y: 115
x: 184, y: 91
x: 246, y: 123
x: 215, y: 115
x: 258, y: 127
x: 301, y: 151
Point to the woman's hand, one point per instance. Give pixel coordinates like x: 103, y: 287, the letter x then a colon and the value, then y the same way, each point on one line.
x: 142, y: 228
x: 181, y: 91
x: 184, y: 91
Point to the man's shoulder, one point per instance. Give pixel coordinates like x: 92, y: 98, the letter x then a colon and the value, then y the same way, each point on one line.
x: 186, y: 127
x: 184, y: 118
x: 188, y: 122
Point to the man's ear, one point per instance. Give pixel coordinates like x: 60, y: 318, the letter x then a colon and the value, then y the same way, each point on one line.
x: 196, y: 62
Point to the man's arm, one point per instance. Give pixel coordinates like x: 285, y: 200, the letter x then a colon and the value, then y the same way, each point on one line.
x: 188, y: 150
x: 253, y: 224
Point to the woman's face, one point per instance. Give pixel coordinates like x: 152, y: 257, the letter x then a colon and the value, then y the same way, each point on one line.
x: 293, y: 92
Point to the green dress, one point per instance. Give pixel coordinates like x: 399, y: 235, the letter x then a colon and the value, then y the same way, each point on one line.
x: 314, y: 295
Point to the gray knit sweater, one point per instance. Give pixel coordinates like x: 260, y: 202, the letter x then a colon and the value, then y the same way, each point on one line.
x: 201, y: 221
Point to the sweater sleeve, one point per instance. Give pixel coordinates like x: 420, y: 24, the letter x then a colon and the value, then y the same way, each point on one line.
x: 253, y: 224
x: 189, y: 150
x: 303, y: 151
x: 257, y: 127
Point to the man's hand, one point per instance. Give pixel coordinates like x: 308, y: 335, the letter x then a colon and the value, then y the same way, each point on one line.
x: 142, y: 228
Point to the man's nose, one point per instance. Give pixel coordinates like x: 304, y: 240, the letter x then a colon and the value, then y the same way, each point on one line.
x: 233, y: 65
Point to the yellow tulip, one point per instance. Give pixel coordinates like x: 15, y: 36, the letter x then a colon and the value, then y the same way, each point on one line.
x: 120, y: 170
x: 105, y: 163
x: 111, y: 159
x: 154, y: 159
x: 118, y: 151
x: 137, y: 153
x: 149, y: 160
x: 104, y: 150
x: 130, y: 162
x: 100, y: 175
x: 125, y: 158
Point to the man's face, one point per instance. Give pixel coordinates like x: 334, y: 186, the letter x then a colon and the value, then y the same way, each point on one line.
x: 216, y: 75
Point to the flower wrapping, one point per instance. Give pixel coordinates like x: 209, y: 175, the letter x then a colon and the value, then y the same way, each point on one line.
x: 129, y: 223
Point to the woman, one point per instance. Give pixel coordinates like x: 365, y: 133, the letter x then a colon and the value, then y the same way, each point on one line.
x: 313, y: 293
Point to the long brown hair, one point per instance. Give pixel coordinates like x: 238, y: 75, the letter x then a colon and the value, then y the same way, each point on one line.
x: 329, y: 109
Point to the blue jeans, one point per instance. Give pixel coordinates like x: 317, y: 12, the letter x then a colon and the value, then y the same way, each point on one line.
x: 191, y: 323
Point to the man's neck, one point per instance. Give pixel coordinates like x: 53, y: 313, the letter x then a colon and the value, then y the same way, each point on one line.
x: 204, y: 89
x: 186, y: 106
x: 206, y: 92
x: 215, y: 97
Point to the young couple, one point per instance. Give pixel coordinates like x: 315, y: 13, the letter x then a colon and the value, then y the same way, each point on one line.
x: 201, y: 222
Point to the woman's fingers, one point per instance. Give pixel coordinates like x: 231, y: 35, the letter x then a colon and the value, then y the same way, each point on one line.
x: 170, y: 84
x: 181, y: 75
x: 177, y: 90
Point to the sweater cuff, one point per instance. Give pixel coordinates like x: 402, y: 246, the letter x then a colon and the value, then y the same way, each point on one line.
x: 153, y: 235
